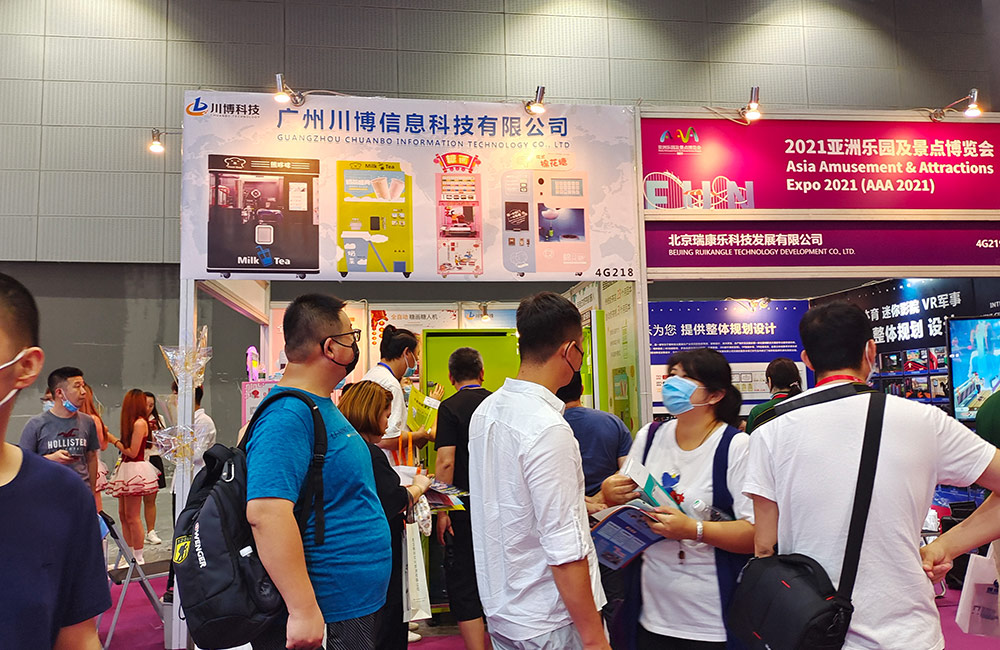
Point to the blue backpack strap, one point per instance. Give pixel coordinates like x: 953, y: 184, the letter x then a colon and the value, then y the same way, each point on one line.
x: 727, y: 565
x: 653, y: 427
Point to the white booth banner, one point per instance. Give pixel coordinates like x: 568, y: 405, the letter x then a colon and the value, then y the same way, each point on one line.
x: 373, y: 188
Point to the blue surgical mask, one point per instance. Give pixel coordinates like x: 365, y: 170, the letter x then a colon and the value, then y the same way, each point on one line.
x: 47, y: 405
x: 406, y: 391
x: 70, y: 406
x: 410, y: 369
x: 677, y: 392
x: 341, y: 384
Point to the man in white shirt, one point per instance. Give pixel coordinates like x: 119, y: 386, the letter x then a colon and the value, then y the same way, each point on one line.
x: 203, y: 425
x: 803, y: 470
x: 535, y: 562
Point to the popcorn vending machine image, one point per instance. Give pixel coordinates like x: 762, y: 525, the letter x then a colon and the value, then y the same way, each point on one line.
x: 374, y: 218
x: 263, y: 215
x: 546, y: 225
x: 459, y: 215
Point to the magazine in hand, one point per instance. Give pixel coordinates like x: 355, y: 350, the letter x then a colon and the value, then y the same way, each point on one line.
x: 623, y: 533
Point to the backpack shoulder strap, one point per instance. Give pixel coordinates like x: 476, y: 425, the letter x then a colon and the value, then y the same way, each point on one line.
x: 312, y: 487
x: 653, y: 427
x: 821, y: 397
x: 722, y: 498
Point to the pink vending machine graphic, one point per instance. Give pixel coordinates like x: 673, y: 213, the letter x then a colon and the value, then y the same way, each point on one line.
x: 459, y: 215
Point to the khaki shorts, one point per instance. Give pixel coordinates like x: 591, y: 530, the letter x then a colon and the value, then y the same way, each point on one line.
x: 565, y: 638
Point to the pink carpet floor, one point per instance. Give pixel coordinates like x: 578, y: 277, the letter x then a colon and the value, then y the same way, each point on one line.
x: 139, y: 629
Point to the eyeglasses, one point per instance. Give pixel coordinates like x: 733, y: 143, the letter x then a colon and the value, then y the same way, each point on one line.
x: 355, y: 333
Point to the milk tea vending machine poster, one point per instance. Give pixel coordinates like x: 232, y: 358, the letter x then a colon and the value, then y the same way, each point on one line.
x: 374, y: 218
x: 263, y: 215
x: 546, y: 221
x: 459, y: 215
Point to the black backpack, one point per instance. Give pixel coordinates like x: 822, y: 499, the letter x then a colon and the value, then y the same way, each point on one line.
x: 225, y: 592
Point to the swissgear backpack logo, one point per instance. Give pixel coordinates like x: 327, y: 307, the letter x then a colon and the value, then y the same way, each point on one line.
x: 181, y: 547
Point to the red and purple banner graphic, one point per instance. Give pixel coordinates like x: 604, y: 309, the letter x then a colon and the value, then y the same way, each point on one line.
x: 811, y: 164
x: 726, y: 244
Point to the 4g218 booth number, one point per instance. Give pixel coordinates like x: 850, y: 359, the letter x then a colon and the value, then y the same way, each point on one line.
x: 616, y: 272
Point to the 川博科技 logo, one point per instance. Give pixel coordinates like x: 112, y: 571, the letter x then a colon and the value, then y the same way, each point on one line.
x: 196, y: 108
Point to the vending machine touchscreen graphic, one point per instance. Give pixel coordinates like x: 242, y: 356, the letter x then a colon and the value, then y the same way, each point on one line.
x: 263, y: 215
x: 459, y: 215
x: 546, y: 222
x: 374, y: 218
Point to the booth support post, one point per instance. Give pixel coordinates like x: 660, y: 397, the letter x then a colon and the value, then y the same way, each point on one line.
x: 642, y: 288
x: 175, y: 630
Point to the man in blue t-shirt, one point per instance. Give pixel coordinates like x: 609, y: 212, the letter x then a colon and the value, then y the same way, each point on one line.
x: 336, y: 587
x: 604, y: 439
x: 51, y: 564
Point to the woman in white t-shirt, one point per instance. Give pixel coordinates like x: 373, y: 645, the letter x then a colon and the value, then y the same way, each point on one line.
x: 699, y: 456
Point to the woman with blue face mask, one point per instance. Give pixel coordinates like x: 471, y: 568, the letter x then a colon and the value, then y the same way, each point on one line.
x: 699, y: 456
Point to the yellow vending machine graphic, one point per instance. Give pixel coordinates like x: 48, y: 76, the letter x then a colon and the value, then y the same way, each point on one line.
x: 374, y: 218
x: 459, y: 215
x: 546, y: 221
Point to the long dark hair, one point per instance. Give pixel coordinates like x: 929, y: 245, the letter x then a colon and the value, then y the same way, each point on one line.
x: 396, y: 341
x: 711, y: 369
x: 784, y: 375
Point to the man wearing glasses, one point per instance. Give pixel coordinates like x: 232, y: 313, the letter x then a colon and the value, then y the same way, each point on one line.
x: 334, y: 588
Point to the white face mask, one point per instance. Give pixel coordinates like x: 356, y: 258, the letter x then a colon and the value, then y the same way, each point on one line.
x: 14, y: 391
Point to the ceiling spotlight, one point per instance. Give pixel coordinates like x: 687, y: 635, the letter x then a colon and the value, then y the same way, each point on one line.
x: 751, y: 111
x: 285, y: 93
x: 484, y: 311
x: 972, y: 110
x: 536, y: 105
x: 156, y: 143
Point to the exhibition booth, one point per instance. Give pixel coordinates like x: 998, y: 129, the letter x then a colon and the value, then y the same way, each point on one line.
x: 602, y: 200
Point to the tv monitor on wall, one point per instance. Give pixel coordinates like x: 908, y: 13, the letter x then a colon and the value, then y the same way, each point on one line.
x: 974, y: 363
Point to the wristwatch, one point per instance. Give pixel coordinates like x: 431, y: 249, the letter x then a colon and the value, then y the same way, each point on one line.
x: 699, y: 530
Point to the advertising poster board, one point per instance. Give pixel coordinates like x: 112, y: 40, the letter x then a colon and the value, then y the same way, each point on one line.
x: 499, y: 317
x: 618, y: 300
x: 409, y: 317
x: 749, y: 336
x: 395, y: 189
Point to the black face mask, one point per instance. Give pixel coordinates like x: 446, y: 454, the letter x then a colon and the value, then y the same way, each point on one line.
x: 353, y: 363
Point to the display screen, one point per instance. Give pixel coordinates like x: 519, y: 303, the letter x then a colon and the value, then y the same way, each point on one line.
x: 561, y: 225
x: 567, y: 187
x: 516, y: 216
x: 974, y: 363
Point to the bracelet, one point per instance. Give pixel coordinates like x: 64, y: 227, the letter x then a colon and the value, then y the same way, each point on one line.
x: 699, y: 531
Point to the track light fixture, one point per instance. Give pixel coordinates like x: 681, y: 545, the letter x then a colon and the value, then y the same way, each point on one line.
x: 285, y: 94
x: 536, y: 106
x: 971, y: 110
x: 484, y: 312
x: 156, y: 141
x: 751, y: 112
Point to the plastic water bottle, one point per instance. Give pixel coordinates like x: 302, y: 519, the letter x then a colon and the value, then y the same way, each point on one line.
x: 706, y: 512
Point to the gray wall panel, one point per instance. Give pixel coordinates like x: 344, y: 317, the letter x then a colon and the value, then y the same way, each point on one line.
x: 171, y: 241
x: 943, y: 51
x: 557, y: 36
x: 455, y: 31
x: 660, y: 81
x: 340, y: 26
x: 20, y: 146
x: 756, y: 44
x: 781, y: 84
x: 693, y: 10
x: 582, y: 78
x: 495, y: 6
x: 860, y: 14
x: 473, y: 74
x: 343, y: 70
x: 102, y: 239
x: 20, y: 101
x: 21, y: 17
x: 862, y: 48
x: 964, y: 16
x: 80, y: 103
x: 21, y: 56
x: 658, y: 39
x: 96, y: 59
x: 108, y: 18
x: 935, y: 89
x: 68, y: 148
x: 20, y: 192
x: 558, y: 7
x: 172, y: 196
x: 101, y: 193
x: 225, y: 21
x: 871, y: 87
x: 761, y: 12
x: 18, y: 241
x: 222, y: 63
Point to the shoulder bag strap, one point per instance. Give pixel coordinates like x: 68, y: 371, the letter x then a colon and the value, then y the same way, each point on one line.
x: 653, y: 427
x: 722, y: 498
x: 862, y: 495
x: 312, y: 487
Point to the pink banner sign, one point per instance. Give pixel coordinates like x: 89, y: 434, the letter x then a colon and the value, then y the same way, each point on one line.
x: 703, y: 164
x: 726, y: 244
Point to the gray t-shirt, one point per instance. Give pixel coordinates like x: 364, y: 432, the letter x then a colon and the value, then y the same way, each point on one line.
x: 47, y: 432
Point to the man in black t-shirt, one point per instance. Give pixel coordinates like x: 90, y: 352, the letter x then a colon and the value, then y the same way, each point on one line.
x: 465, y: 371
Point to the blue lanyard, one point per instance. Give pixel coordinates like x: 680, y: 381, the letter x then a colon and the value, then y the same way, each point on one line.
x: 470, y: 386
x: 386, y: 366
